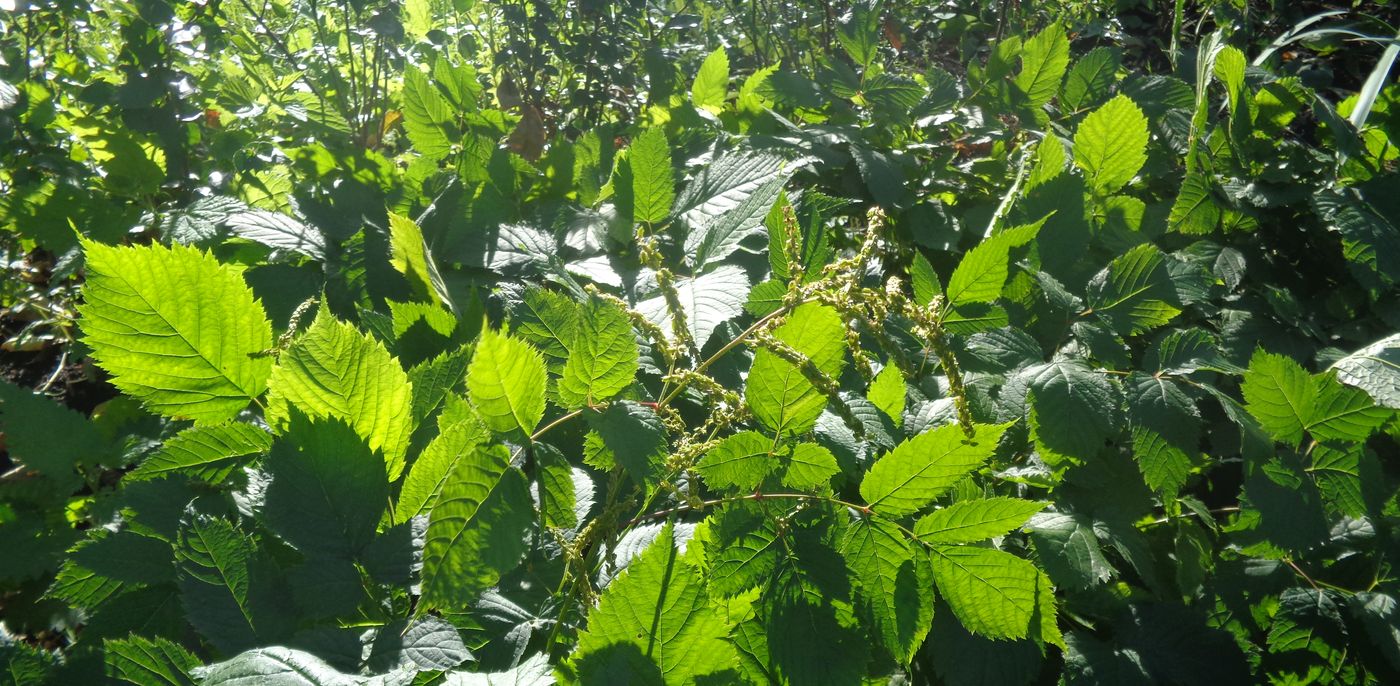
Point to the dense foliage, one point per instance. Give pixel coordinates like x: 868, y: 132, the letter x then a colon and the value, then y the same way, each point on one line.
x: 531, y: 342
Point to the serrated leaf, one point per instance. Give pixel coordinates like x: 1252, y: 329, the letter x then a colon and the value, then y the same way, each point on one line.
x: 149, y: 661
x: 334, y: 370
x: 813, y: 639
x: 1194, y: 211
x: 709, y: 300
x: 1073, y: 409
x: 743, y: 549
x: 971, y: 521
x: 1374, y: 369
x: 923, y: 280
x: 555, y: 476
x: 1182, y: 351
x: 433, y: 379
x: 409, y: 254
x: 635, y: 436
x: 145, y: 315
x: 46, y: 436
x: 809, y: 466
x: 428, y: 644
x: 1069, y: 550
x: 206, y: 453
x: 1090, y: 79
x: 548, y: 321
x: 728, y: 202
x: 1135, y: 292
x: 887, y: 393
x: 214, y: 560
x: 781, y: 398
x: 993, y: 593
x: 894, y: 589
x: 1343, y: 413
x: 276, y: 230
x: 1110, y: 144
x: 982, y: 272
x: 1280, y: 394
x: 711, y: 85
x: 602, y: 357
x: 477, y: 530
x: 740, y: 462
x: 653, y: 188
x: 327, y: 489
x: 1166, y: 430
x: 1043, y: 61
x: 427, y: 116
x: 274, y: 666
x: 908, y: 478
x: 505, y: 382
x: 655, y: 623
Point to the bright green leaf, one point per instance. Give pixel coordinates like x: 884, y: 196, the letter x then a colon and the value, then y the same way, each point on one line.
x: 176, y: 329
x: 1110, y: 145
x: 908, y: 478
x: 505, y: 382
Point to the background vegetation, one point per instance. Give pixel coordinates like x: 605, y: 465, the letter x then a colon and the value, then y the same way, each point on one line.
x: 458, y: 342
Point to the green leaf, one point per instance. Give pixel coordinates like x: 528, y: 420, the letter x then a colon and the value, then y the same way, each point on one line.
x: 635, y: 436
x: 327, y: 489
x: 923, y: 280
x: 333, y: 370
x: 1110, y: 145
x: 46, y: 436
x: 107, y: 564
x: 1073, y: 409
x: 149, y: 661
x: 1069, y: 550
x: 433, y: 379
x: 971, y: 521
x: 548, y: 321
x: 982, y: 272
x: 410, y: 255
x: 711, y: 85
x: 727, y: 203
x: 214, y: 560
x: 813, y: 639
x: 743, y: 548
x: 1194, y: 212
x: 1043, y: 61
x: 1280, y: 394
x: 1380, y: 615
x: 781, y: 398
x: 205, y: 453
x: 708, y: 300
x: 1374, y: 369
x: 505, y: 382
x: 555, y: 477
x: 1090, y: 79
x: 739, y: 462
x: 1343, y: 413
x: 477, y: 530
x: 895, y: 589
x: 274, y: 666
x: 1166, y: 429
x: 908, y: 478
x: 993, y: 593
x: 147, y: 315
x: 657, y: 623
x: 809, y: 466
x: 602, y: 357
x: 1135, y: 292
x: 887, y: 393
x: 427, y: 116
x: 653, y: 188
